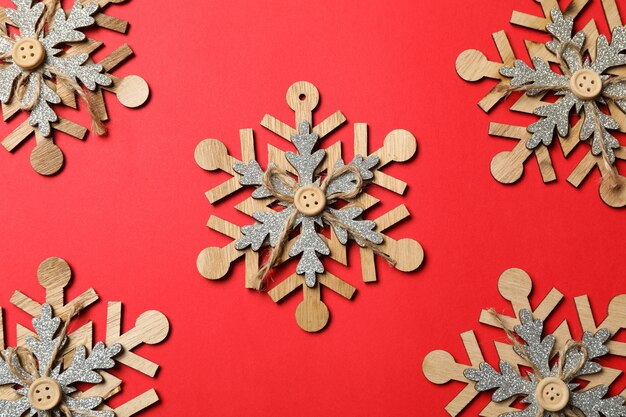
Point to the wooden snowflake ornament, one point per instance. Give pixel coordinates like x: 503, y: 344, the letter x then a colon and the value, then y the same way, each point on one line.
x: 47, y: 62
x: 301, y: 193
x: 590, y: 82
x: 39, y: 375
x: 557, y: 364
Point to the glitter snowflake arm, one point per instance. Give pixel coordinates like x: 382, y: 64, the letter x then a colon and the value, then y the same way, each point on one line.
x: 63, y: 31
x: 84, y: 407
x: 8, y: 75
x: 595, y: 347
x: 542, y: 76
x: 537, y: 350
x: 269, y: 224
x: 25, y: 16
x: 610, y: 54
x: 43, y: 345
x: 252, y: 174
x: 305, y: 161
x: 345, y: 183
x: 593, y: 404
x: 42, y: 114
x: 563, y: 43
x: 590, y: 129
x: 83, y: 368
x: 15, y: 408
x: 309, y: 244
x: 64, y: 28
x: 508, y: 383
x: 348, y: 217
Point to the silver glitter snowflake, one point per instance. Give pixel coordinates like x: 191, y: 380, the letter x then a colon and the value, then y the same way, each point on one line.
x: 47, y: 388
x: 583, y: 85
x: 304, y: 215
x: 73, y: 70
x: 549, y: 390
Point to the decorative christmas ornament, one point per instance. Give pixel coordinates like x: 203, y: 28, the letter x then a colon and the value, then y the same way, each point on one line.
x: 47, y: 62
x: 300, y: 195
x: 589, y: 82
x: 558, y: 364
x: 39, y: 375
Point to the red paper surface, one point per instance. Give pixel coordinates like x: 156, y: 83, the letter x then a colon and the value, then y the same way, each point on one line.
x: 129, y: 212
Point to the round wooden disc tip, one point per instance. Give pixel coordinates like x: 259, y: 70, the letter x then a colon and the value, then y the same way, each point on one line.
x: 213, y: 263
x: 408, y: 255
x: 133, y: 91
x: 552, y: 394
x: 44, y: 394
x: 46, y: 158
x: 310, y: 200
x: 28, y: 53
x: 312, y: 315
x: 586, y: 84
x: 401, y: 145
x: 613, y: 194
x: 54, y: 273
x: 211, y: 154
x: 505, y: 169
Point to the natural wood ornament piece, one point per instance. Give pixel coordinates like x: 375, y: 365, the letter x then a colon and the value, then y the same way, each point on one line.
x: 307, y: 185
x: 47, y: 62
x: 538, y: 375
x: 575, y: 72
x: 38, y: 376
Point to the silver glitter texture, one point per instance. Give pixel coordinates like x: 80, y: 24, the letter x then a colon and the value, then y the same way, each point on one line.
x: 508, y: 383
x: 308, y: 245
x: 83, y: 368
x: 64, y: 30
x: 556, y: 115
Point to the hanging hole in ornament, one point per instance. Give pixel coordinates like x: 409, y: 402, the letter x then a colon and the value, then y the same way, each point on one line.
x: 302, y: 97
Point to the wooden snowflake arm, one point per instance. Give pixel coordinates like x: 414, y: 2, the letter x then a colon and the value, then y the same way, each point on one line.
x: 399, y: 146
x: 440, y: 367
x: 19, y: 134
x: 539, y: 22
x: 214, y: 262
x: 472, y: 65
x: 612, y: 196
x: 303, y: 97
x: 54, y: 274
x: 137, y: 404
x: 507, y: 167
x: 212, y: 155
x: 614, y: 322
x: 515, y: 286
x: 407, y: 253
x: 151, y: 327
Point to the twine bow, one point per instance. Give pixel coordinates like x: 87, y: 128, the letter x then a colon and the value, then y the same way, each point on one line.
x: 612, y: 174
x: 564, y: 375
x: 276, y: 180
x: 21, y: 86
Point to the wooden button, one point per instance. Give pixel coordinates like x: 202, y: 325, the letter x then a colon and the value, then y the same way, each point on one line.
x: 310, y: 200
x: 552, y: 394
x: 44, y: 394
x: 28, y: 53
x: 586, y: 84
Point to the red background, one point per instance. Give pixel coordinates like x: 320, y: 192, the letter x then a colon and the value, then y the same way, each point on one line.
x: 129, y: 212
